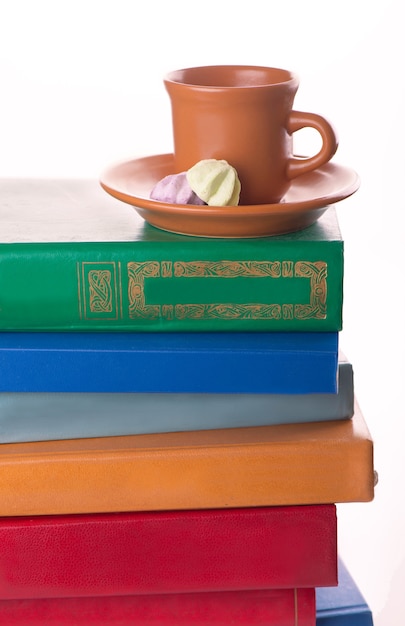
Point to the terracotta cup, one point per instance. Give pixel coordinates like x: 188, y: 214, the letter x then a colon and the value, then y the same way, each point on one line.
x: 243, y: 114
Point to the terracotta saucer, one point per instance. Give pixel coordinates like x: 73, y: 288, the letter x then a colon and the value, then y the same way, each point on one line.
x: 306, y: 200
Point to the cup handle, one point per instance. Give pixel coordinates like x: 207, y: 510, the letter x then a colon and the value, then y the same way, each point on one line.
x: 297, y: 120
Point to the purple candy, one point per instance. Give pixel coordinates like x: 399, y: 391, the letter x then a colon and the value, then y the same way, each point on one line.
x: 175, y: 189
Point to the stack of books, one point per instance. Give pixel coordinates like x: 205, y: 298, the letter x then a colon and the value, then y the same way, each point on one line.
x: 177, y: 423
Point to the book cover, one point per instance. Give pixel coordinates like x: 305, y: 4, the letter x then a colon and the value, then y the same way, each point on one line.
x: 335, y: 606
x: 74, y: 258
x: 288, y: 464
x: 269, y: 607
x: 168, y: 552
x: 42, y: 416
x: 343, y: 605
x: 169, y: 362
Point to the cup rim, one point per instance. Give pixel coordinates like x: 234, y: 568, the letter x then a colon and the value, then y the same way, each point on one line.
x: 178, y: 77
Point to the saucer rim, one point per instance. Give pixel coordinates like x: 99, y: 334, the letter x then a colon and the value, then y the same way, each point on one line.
x: 345, y: 192
x: 199, y: 219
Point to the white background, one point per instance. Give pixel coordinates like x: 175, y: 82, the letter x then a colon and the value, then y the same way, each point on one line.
x: 81, y: 87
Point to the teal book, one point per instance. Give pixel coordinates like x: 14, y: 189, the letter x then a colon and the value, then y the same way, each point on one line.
x: 72, y: 258
x: 42, y: 416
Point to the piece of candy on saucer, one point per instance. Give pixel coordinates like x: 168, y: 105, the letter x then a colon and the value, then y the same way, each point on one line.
x: 215, y: 181
x: 175, y: 189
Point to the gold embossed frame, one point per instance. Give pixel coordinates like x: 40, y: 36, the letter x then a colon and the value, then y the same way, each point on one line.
x: 99, y: 290
x: 314, y: 272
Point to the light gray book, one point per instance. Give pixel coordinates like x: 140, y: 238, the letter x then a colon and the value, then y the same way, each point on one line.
x: 47, y: 416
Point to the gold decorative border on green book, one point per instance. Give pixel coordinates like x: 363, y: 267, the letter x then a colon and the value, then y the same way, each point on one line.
x: 99, y: 290
x: 314, y: 272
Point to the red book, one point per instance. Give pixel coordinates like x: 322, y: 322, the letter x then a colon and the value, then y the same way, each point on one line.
x: 168, y: 552
x: 268, y: 607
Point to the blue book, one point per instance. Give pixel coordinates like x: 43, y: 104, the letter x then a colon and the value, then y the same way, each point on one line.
x: 343, y: 605
x: 296, y: 363
x: 43, y: 416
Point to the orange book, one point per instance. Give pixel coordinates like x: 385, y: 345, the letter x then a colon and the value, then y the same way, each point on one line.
x: 308, y: 463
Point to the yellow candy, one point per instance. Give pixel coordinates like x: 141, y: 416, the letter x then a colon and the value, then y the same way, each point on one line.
x: 215, y: 181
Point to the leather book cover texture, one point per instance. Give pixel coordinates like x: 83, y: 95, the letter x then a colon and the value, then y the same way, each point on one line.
x: 169, y: 362
x: 343, y: 605
x: 168, y: 552
x: 95, y: 265
x: 267, y: 607
x: 42, y: 416
x: 288, y: 464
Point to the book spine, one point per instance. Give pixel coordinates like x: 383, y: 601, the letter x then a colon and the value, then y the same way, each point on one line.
x: 343, y: 605
x: 351, y: 616
x: 168, y: 552
x: 265, y: 466
x: 153, y: 287
x: 43, y: 416
x: 288, y: 607
x: 169, y: 362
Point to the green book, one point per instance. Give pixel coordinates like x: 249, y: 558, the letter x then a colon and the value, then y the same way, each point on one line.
x: 74, y: 258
